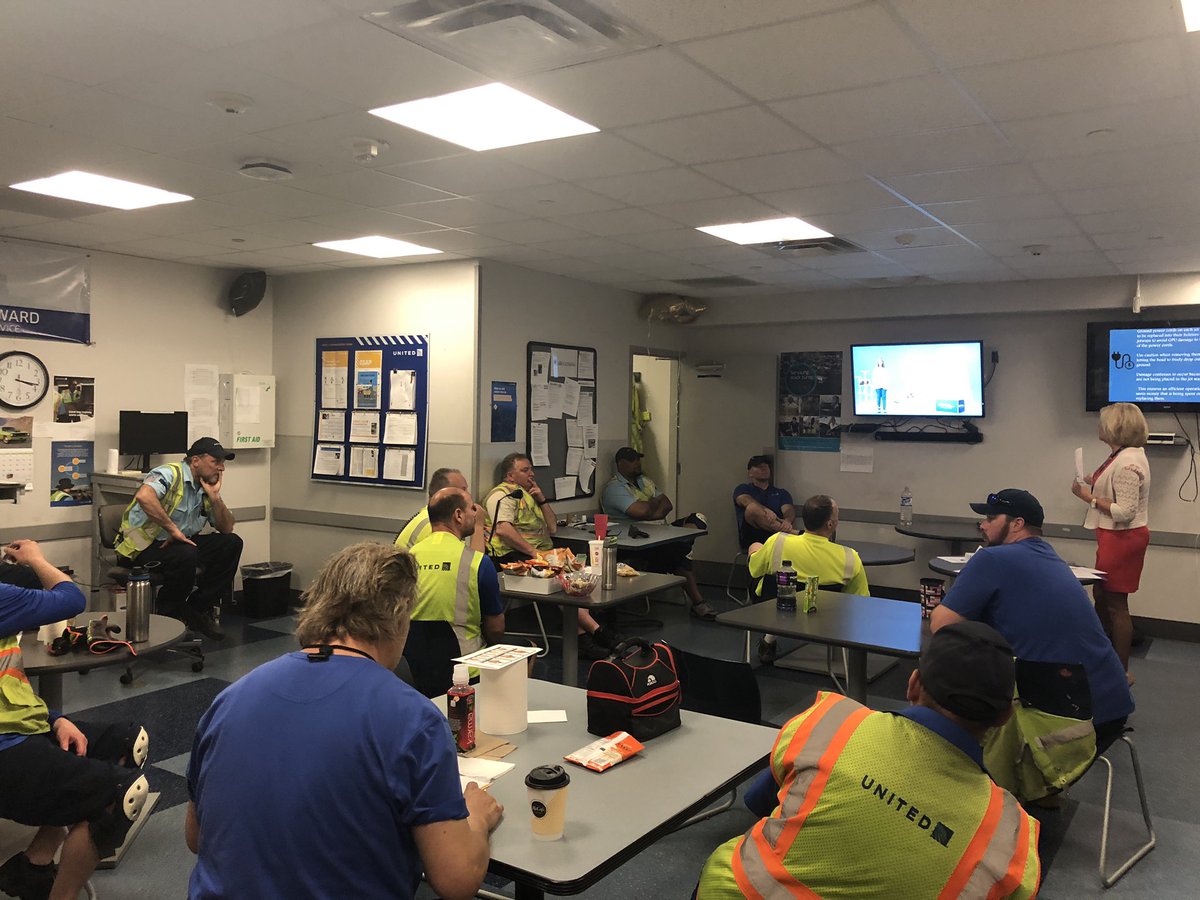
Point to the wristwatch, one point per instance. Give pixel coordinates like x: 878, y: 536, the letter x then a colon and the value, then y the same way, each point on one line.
x: 1094, y: 503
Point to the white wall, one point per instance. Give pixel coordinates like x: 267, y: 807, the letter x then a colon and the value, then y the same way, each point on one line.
x: 1035, y: 418
x: 149, y: 318
x: 660, y: 394
x: 517, y: 306
x: 437, y: 299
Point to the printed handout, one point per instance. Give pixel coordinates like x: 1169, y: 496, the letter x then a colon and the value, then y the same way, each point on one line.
x: 329, y: 460
x: 331, y: 425
x: 364, y: 462
x: 564, y: 488
x: 564, y: 363
x: 587, y: 365
x: 539, y: 367
x: 403, y: 394
x: 335, y: 367
x: 570, y: 397
x: 399, y: 463
x: 364, y: 427
x: 400, y: 428
x: 539, y: 443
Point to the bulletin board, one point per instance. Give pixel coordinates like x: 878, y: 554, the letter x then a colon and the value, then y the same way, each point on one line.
x: 370, y: 424
x: 561, y: 429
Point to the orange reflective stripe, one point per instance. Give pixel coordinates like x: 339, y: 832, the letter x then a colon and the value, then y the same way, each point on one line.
x: 11, y: 651
x: 824, y: 769
x: 973, y: 855
x: 739, y: 873
x: 804, y: 731
x: 1016, y: 867
x: 18, y: 674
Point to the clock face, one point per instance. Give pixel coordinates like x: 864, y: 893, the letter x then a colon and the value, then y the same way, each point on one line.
x: 24, y: 380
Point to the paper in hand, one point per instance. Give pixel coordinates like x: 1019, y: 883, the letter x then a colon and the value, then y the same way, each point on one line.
x: 1079, y: 473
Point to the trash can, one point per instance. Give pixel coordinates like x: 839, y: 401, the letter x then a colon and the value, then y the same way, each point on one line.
x: 266, y: 587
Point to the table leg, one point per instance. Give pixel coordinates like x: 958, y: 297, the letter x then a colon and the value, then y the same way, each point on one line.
x: 527, y: 892
x: 856, y: 674
x: 570, y: 641
x: 50, y: 689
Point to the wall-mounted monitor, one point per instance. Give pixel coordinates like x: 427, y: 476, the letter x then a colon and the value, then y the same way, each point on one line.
x: 929, y: 379
x: 146, y: 433
x: 1153, y: 364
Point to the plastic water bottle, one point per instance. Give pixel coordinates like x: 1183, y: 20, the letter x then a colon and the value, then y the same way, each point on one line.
x: 785, y: 587
x: 460, y: 709
x: 906, y: 506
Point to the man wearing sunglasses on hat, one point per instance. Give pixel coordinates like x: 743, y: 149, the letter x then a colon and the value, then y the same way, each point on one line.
x: 1017, y: 584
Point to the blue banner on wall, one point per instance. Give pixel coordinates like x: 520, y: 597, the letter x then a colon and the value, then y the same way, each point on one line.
x: 44, y: 293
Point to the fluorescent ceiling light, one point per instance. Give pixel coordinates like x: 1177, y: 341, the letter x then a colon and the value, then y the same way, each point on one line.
x: 377, y: 246
x: 789, y: 229
x: 1191, y: 15
x: 100, y: 190
x: 483, y: 118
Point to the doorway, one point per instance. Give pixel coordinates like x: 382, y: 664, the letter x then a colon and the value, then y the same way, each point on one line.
x: 656, y: 381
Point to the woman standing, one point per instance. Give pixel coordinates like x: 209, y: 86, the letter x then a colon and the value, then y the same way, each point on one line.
x: 1118, y: 494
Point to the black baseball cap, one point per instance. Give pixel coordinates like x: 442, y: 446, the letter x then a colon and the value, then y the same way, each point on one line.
x: 627, y: 453
x: 210, y: 446
x: 1012, y: 502
x: 968, y: 668
x: 758, y: 461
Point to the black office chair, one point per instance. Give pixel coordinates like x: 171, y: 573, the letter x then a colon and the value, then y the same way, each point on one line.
x: 429, y: 652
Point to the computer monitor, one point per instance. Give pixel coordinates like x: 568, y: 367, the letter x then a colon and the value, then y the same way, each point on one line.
x: 145, y: 433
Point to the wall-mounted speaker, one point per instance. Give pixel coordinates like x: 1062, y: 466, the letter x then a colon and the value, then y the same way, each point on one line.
x: 247, y: 292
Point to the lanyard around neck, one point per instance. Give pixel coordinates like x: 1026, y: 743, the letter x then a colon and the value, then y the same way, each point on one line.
x: 324, y: 651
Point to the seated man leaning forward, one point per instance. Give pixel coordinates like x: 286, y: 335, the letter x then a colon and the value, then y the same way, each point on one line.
x: 762, y: 508
x: 77, y: 783
x: 1017, y: 584
x: 322, y: 773
x: 417, y: 528
x: 520, y: 523
x: 811, y: 553
x: 469, y: 601
x: 858, y: 803
x: 630, y: 495
x: 163, y: 523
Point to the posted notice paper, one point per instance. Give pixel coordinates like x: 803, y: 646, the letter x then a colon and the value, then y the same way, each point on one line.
x: 399, y: 463
x: 539, y: 443
x: 539, y: 401
x: 329, y: 460
x: 564, y: 488
x: 331, y: 425
x: 335, y: 370
x: 400, y: 428
x: 403, y: 394
x: 364, y: 462
x: 364, y: 427
x: 539, y: 366
x: 570, y: 397
x: 587, y: 365
x: 564, y: 363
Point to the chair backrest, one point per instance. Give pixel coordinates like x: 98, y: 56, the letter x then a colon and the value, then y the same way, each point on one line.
x: 718, y: 687
x: 429, y: 650
x: 109, y: 517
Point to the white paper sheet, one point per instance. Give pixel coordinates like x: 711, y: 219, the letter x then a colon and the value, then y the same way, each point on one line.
x: 538, y: 716
x: 591, y: 438
x: 539, y: 443
x: 539, y: 401
x: 574, y: 458
x: 554, y: 400
x: 331, y: 425
x: 364, y: 428
x: 400, y: 428
x: 329, y: 460
x: 335, y: 373
x: 587, y: 365
x: 586, y: 468
x: 16, y: 467
x: 539, y: 366
x: 857, y: 457
x: 403, y: 386
x: 574, y: 434
x: 481, y: 772
x: 200, y: 400
x: 570, y: 397
x: 564, y: 488
x: 364, y: 462
x: 1079, y: 472
x: 399, y: 463
x: 587, y: 400
x: 564, y: 363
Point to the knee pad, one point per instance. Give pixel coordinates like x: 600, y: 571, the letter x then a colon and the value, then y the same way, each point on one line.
x: 110, y: 826
x: 139, y: 748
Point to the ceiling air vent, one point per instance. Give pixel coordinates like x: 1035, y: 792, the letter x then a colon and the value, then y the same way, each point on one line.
x: 717, y: 281
x: 812, y: 248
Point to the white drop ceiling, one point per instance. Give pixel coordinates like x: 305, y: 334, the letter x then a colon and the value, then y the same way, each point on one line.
x: 942, y: 136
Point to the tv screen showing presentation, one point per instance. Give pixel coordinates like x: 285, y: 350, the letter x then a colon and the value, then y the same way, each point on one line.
x: 1153, y: 364
x: 936, y: 379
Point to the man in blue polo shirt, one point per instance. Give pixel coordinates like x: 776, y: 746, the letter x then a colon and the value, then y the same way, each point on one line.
x: 762, y: 508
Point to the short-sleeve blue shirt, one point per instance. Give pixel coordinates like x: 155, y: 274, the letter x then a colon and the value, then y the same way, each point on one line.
x: 189, y: 515
x: 772, y: 497
x: 1026, y: 592
x: 620, y: 494
x: 308, y: 778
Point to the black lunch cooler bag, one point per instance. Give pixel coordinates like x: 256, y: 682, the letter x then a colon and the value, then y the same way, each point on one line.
x: 636, y: 690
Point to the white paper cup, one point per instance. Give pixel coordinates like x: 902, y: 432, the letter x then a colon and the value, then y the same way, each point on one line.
x: 595, y: 548
x: 547, y: 789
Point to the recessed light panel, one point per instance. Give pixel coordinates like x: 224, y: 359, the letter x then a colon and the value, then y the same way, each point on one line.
x: 377, y: 246
x: 100, y: 190
x: 787, y: 229
x: 486, y: 117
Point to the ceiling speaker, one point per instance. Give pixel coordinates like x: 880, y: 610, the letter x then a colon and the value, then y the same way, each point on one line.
x: 247, y: 292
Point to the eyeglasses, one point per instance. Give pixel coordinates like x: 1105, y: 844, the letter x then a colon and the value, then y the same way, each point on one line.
x: 997, y: 500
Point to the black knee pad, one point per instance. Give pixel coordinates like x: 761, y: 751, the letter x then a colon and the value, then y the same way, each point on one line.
x: 110, y: 826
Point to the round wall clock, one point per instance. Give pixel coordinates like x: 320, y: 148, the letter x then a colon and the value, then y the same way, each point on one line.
x: 24, y: 380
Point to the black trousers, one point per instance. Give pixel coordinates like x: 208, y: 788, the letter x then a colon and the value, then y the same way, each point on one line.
x: 215, y: 554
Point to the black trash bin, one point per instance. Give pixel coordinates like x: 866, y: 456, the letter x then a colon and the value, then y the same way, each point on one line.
x: 266, y: 587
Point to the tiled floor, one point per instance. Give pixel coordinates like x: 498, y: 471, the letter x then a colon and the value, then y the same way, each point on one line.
x: 169, y: 698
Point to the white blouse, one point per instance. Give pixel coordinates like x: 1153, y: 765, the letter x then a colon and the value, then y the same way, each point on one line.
x: 1125, y: 482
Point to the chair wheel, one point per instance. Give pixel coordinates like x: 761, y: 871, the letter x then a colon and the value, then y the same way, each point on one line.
x: 197, y: 667
x: 127, y: 678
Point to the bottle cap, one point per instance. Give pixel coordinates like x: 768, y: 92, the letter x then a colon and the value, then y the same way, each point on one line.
x: 787, y: 562
x: 461, y: 674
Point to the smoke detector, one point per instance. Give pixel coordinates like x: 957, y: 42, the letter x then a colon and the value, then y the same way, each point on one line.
x: 1036, y: 249
x: 262, y: 170
x: 233, y: 104
x: 367, y: 150
x: 709, y: 369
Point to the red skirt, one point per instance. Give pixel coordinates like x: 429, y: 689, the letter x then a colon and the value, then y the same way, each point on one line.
x: 1120, y: 554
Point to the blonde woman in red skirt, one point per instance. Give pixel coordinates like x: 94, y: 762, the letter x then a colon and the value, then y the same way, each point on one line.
x: 1118, y: 497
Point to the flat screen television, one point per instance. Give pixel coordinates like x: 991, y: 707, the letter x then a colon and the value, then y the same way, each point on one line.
x: 943, y: 379
x: 1153, y: 364
x: 145, y: 433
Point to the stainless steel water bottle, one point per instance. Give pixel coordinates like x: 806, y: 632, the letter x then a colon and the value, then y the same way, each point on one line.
x: 608, y: 565
x: 139, y: 603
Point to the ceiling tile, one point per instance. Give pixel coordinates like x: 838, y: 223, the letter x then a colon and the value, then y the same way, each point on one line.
x: 583, y: 156
x: 663, y: 186
x: 332, y: 138
x: 456, y: 212
x: 582, y: 248
x: 20, y: 87
x: 1174, y: 161
x: 180, y: 218
x: 1025, y: 230
x: 1127, y: 196
x: 729, y: 134
x: 231, y: 154
x: 529, y: 231
x: 368, y: 188
x: 468, y: 173
x: 719, y: 210
x: 362, y: 222
x: 676, y: 239
x: 1053, y: 247
x: 893, y: 218
x: 557, y: 199
x: 238, y: 239
x: 277, y: 201
x: 617, y: 222
x: 1106, y: 130
x: 161, y: 248
x: 892, y: 239
x: 296, y: 231
x: 457, y: 241
x: 678, y: 20
x: 999, y: 209
x: 966, y: 184
x: 782, y: 171
x: 859, y: 194
x: 930, y: 151
x: 632, y: 88
x: 218, y: 23
x: 858, y: 46
x: 78, y: 233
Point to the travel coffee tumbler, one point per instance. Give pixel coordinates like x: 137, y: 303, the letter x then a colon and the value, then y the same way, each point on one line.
x: 547, y: 787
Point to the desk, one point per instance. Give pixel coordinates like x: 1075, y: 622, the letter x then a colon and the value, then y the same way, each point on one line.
x: 943, y: 528
x: 860, y: 624
x: 576, y: 537
x: 164, y: 633
x: 627, y: 589
x: 875, y: 554
x: 944, y: 566
x: 614, y: 815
